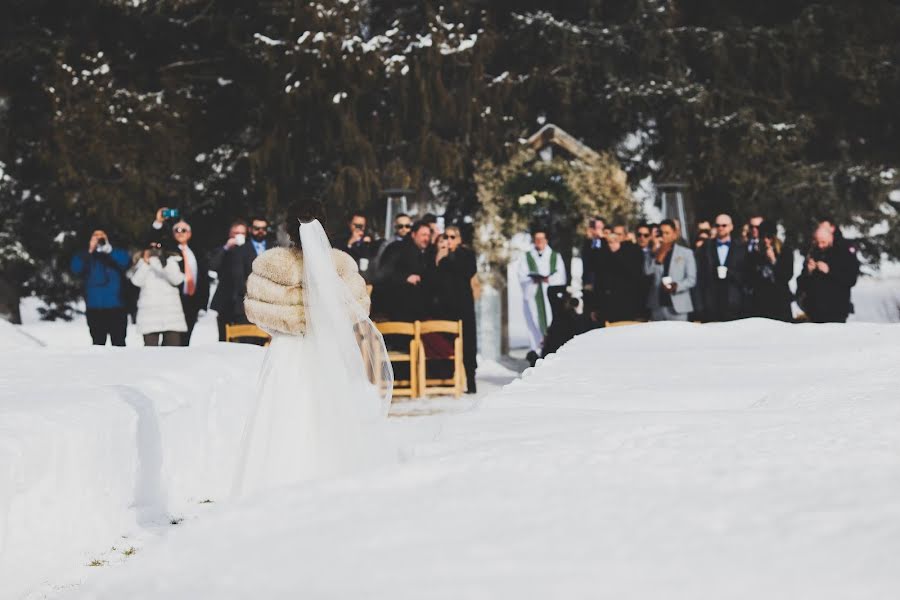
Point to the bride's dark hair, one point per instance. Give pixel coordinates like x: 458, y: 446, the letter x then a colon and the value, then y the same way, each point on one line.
x: 293, y: 223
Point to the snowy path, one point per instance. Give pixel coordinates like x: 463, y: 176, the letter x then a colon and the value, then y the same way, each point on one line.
x: 746, y: 460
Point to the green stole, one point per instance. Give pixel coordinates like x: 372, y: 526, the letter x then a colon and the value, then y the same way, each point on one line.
x: 539, y: 295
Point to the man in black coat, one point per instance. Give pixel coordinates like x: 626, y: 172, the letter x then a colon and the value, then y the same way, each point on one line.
x: 830, y: 272
x: 382, y: 291
x: 619, y: 280
x: 235, y: 265
x: 219, y: 261
x: 401, y: 273
x: 592, y: 257
x: 721, y: 272
x: 195, y: 289
x: 463, y: 265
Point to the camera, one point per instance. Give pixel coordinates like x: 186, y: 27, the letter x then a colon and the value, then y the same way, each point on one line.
x: 101, y: 241
x: 170, y: 213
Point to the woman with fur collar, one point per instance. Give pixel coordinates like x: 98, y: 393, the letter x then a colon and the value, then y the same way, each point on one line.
x: 325, y: 384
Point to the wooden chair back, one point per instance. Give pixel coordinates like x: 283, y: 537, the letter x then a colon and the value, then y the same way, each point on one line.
x: 234, y: 333
x: 404, y: 387
x: 456, y: 383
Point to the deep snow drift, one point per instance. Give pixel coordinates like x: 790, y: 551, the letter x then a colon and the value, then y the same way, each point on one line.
x: 743, y: 460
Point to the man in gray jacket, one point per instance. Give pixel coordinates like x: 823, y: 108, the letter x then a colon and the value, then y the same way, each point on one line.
x: 672, y: 272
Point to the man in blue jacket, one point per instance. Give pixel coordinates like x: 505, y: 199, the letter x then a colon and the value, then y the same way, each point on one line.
x: 102, y: 269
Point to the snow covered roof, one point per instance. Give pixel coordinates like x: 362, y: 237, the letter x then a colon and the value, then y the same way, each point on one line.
x: 553, y: 134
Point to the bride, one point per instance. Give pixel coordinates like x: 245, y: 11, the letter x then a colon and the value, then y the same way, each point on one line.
x: 325, y: 385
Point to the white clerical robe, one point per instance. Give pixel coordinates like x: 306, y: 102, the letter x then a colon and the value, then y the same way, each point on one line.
x: 534, y: 294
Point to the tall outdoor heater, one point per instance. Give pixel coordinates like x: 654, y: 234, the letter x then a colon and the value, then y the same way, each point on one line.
x: 398, y: 200
x: 671, y: 200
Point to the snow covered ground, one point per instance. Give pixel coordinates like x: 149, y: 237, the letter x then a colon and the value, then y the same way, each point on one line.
x: 743, y: 460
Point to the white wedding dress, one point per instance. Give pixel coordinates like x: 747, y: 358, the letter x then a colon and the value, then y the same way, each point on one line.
x: 322, y: 397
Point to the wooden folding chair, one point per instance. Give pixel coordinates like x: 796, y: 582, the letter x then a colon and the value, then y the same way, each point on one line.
x: 404, y: 387
x: 622, y: 323
x: 454, y: 385
x: 235, y: 333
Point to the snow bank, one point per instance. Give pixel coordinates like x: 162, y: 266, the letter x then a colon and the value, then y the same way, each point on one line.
x: 101, y: 443
x: 12, y: 337
x: 742, y: 460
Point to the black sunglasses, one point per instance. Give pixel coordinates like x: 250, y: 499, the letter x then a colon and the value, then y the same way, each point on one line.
x: 643, y: 235
x: 403, y: 226
x: 721, y: 224
x: 263, y: 228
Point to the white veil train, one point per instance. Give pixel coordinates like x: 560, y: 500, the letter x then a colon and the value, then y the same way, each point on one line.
x: 322, y: 397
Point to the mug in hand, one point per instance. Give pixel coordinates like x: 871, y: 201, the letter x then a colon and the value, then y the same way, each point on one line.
x: 667, y: 281
x: 240, y: 239
x: 722, y: 271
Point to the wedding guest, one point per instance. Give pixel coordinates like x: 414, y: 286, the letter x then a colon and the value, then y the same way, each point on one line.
x: 158, y: 274
x: 220, y: 261
x: 102, y: 269
x: 770, y: 266
x: 830, y: 272
x: 463, y: 263
x: 195, y: 289
x: 753, y: 234
x: 359, y: 244
x: 620, y: 281
x: 382, y: 291
x: 402, y: 275
x: 721, y: 272
x: 673, y: 273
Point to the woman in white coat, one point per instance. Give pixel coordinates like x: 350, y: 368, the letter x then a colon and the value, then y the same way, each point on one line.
x: 159, y: 312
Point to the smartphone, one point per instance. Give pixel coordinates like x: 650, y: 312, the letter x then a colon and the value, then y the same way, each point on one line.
x: 170, y: 213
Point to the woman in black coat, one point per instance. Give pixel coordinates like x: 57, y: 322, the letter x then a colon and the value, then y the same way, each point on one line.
x: 769, y: 269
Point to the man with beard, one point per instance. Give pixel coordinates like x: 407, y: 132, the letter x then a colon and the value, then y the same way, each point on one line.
x: 403, y: 271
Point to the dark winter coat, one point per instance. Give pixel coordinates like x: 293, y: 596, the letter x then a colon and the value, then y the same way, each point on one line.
x: 397, y: 299
x: 770, y: 296
x: 825, y: 297
x: 233, y: 267
x: 619, y: 282
x: 103, y: 275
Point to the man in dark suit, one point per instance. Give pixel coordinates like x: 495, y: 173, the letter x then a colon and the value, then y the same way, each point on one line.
x: 403, y: 270
x: 721, y: 272
x: 195, y: 289
x: 235, y: 265
x: 383, y: 292
x: 593, y: 250
x: 220, y: 262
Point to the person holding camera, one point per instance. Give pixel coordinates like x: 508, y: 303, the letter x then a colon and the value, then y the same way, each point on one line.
x: 159, y: 275
x: 359, y: 244
x: 102, y: 268
x: 830, y: 272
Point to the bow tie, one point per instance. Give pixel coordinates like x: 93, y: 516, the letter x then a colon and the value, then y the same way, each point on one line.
x: 720, y: 244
